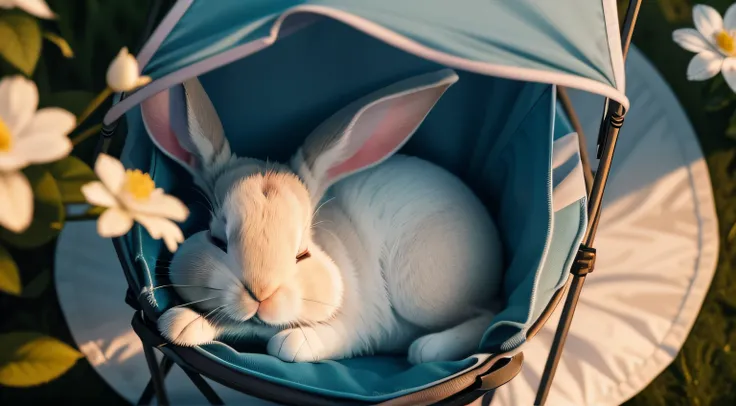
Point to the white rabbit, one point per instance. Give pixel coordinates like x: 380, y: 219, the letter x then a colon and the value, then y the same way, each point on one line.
x: 350, y: 250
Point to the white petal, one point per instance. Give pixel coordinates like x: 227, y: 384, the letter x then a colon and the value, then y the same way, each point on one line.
x: 49, y: 150
x: 44, y: 138
x: 707, y: 20
x: 704, y: 65
x: 161, y: 205
x: 114, y: 222
x: 173, y: 239
x: 111, y: 172
x: 122, y: 74
x: 11, y: 162
x: 16, y: 201
x: 691, y: 40
x: 729, y: 72
x: 18, y: 102
x: 97, y: 194
x: 159, y: 227
x: 38, y: 8
x: 729, y: 18
x: 51, y: 121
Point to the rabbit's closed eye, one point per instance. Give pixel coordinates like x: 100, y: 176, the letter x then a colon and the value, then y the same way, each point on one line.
x: 304, y: 254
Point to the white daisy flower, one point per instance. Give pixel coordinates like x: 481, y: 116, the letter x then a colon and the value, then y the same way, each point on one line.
x: 123, y: 75
x: 714, y: 41
x: 131, y: 195
x: 38, y: 8
x: 27, y: 136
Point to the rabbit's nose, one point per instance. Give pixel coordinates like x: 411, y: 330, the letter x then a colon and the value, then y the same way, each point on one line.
x: 262, y: 292
x: 251, y: 293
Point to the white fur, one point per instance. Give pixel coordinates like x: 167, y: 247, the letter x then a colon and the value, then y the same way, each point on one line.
x: 183, y: 326
x: 403, y: 256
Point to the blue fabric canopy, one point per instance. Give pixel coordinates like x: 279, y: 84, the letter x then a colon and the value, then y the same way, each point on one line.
x: 574, y: 43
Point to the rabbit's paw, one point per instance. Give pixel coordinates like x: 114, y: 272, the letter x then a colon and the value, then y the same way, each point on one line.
x: 186, y: 327
x: 436, y: 347
x: 296, y: 345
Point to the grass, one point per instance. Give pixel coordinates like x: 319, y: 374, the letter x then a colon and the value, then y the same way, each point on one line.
x: 704, y: 373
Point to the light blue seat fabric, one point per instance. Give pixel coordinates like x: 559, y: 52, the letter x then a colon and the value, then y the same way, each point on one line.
x: 495, y: 134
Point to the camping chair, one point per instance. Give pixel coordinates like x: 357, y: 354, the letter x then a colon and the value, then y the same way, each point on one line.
x: 514, y: 60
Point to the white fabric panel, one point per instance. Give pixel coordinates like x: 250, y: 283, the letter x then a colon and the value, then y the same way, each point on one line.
x: 657, y: 251
x: 568, y: 182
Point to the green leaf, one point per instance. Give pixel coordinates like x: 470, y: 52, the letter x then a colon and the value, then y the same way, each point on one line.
x: 20, y: 42
x: 48, y: 211
x: 74, y: 101
x: 95, y: 211
x: 60, y: 42
x: 731, y: 130
x: 9, y: 276
x: 676, y: 11
x: 718, y: 102
x: 70, y: 174
x: 718, y: 83
x: 30, y: 359
x: 38, y: 285
x: 731, y: 233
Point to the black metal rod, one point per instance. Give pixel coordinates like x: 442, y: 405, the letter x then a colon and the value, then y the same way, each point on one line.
x: 577, y: 281
x: 609, y: 131
x: 153, y: 11
x: 149, y: 391
x: 204, y: 387
x: 157, y: 378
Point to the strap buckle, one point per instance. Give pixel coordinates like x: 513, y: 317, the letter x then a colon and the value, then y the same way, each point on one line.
x: 584, y: 261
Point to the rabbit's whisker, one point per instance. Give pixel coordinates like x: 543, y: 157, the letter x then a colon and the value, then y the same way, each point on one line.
x: 206, y: 199
x: 195, y: 302
x: 318, y: 302
x: 184, y: 286
x: 195, y: 319
x: 320, y: 222
x: 214, y: 310
x: 307, y: 341
x: 329, y: 232
x: 321, y: 205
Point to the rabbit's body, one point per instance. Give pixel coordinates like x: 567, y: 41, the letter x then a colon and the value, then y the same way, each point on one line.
x: 323, y: 265
x: 417, y: 251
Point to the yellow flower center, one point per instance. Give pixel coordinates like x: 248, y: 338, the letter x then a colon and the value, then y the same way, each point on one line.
x: 725, y: 42
x: 6, y: 140
x: 139, y: 184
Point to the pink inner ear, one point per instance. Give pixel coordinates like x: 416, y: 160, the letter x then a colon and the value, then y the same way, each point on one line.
x: 155, y: 112
x: 401, y: 119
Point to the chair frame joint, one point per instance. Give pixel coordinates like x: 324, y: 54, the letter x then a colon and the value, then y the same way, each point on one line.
x: 584, y: 261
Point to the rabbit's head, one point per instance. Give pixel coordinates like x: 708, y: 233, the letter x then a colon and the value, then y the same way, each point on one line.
x: 258, y: 259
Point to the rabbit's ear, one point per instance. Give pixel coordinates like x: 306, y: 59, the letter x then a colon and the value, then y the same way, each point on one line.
x: 369, y: 130
x: 183, y: 123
